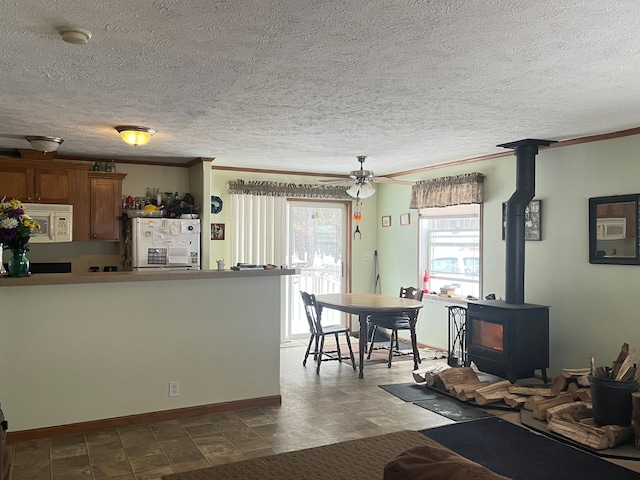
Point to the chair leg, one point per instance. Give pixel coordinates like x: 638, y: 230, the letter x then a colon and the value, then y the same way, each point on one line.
x: 338, y: 348
x: 306, y: 354
x: 353, y: 360
x: 374, y: 330
x: 320, y: 354
x: 315, y: 352
x: 393, y: 332
x: 414, y: 346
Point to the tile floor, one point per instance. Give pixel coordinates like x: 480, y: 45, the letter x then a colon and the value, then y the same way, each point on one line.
x: 316, y: 410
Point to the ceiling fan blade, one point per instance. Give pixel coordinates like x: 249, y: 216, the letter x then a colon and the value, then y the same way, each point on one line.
x: 336, y: 180
x: 391, y: 180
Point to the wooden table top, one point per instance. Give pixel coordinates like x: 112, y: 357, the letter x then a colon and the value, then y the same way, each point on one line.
x: 359, y: 303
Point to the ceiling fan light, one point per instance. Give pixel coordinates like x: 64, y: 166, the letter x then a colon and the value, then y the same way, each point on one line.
x: 366, y: 190
x: 361, y: 191
x: 44, y: 144
x: 135, y: 135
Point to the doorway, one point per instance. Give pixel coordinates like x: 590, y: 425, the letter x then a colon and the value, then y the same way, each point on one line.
x: 317, y: 245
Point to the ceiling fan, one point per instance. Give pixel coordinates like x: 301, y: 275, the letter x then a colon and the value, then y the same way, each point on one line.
x: 363, y: 179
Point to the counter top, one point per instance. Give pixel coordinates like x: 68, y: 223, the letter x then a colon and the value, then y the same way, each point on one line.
x: 146, y: 276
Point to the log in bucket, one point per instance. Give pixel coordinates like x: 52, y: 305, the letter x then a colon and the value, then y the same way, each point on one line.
x: 611, y: 400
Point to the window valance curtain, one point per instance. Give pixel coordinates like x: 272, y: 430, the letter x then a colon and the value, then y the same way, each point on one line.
x: 447, y: 191
x: 291, y: 190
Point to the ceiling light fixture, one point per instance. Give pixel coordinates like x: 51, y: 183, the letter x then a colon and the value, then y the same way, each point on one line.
x: 44, y: 144
x: 75, y: 35
x: 361, y: 191
x: 135, y: 135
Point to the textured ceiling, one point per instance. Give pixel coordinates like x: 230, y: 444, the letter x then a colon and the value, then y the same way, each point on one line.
x: 307, y: 85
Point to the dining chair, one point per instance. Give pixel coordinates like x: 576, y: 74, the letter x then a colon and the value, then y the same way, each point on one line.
x: 319, y: 332
x: 396, y: 322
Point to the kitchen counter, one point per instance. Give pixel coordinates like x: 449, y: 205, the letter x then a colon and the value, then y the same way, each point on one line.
x: 90, y: 347
x: 146, y: 276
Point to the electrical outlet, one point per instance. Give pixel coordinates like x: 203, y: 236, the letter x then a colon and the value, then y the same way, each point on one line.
x: 367, y: 256
x: 174, y: 389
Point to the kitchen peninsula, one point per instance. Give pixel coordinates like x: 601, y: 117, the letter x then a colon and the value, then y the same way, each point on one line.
x: 85, y: 351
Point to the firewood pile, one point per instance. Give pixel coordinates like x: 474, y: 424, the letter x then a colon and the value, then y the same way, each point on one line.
x: 622, y: 369
x: 564, y: 404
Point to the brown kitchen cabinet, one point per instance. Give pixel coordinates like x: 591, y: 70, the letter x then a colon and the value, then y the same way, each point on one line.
x: 35, y: 185
x: 105, y: 191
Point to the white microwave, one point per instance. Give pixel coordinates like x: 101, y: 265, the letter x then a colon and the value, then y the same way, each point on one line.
x: 611, y: 228
x: 56, y: 222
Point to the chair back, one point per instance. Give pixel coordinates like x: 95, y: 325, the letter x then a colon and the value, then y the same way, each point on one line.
x: 312, y: 311
x: 411, y: 292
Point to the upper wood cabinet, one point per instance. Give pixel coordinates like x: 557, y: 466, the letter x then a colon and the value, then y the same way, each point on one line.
x: 106, y: 205
x: 96, y: 196
x: 35, y: 185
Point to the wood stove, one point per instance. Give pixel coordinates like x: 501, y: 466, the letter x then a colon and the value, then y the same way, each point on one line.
x: 511, y: 341
x: 510, y: 338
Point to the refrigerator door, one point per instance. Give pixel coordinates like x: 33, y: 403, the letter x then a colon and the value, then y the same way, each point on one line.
x: 165, y: 243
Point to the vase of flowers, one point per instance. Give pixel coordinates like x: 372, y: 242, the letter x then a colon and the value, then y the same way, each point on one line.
x: 16, y: 228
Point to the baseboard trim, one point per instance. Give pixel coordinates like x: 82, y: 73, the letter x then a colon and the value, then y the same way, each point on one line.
x: 151, y: 417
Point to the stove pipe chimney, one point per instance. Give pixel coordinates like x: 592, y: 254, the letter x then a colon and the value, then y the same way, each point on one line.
x: 525, y: 151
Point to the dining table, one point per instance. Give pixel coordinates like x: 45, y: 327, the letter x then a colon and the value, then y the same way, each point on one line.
x: 365, y: 304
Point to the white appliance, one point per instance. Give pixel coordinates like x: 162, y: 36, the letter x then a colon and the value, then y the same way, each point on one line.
x: 165, y: 243
x: 56, y: 222
x: 611, y: 228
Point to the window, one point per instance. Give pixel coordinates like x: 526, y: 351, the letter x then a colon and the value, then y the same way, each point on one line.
x: 450, y: 249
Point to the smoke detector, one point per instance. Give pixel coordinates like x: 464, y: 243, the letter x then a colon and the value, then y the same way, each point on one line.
x: 75, y: 35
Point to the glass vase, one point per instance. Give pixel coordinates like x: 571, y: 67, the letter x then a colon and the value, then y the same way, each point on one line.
x: 18, y: 265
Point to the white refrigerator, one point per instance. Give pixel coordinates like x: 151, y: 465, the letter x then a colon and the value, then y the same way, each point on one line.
x: 165, y: 243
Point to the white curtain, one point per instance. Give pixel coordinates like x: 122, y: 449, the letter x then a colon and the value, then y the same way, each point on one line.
x: 258, y: 229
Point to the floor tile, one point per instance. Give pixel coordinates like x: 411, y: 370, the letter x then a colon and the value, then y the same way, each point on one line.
x: 316, y: 410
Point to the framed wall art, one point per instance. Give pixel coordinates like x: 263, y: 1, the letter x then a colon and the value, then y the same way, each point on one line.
x: 405, y: 219
x: 217, y: 231
x: 532, y: 220
x: 386, y: 220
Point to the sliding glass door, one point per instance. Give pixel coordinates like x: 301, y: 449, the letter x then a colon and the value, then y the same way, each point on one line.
x: 317, y: 246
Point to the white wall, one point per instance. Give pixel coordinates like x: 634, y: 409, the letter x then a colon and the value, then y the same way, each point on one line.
x: 75, y: 353
x: 167, y: 179
x: 592, y: 307
x: 362, y: 275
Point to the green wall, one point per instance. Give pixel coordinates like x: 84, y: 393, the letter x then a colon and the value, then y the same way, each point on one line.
x: 593, y: 308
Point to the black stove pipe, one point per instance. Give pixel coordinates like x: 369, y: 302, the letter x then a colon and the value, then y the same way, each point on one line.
x: 525, y: 151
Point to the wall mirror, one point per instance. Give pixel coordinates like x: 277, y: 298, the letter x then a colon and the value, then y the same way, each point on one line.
x: 613, y: 229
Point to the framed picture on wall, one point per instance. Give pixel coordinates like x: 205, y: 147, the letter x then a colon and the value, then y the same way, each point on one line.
x: 386, y: 220
x: 532, y: 220
x: 217, y: 231
x: 405, y: 219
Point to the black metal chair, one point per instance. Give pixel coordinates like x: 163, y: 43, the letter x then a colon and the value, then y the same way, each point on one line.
x: 319, y: 331
x: 395, y: 322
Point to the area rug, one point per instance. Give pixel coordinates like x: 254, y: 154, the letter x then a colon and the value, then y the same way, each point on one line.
x: 354, y: 459
x: 380, y: 353
x: 409, y: 392
x: 453, y: 409
x: 517, y: 453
